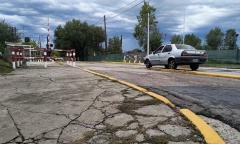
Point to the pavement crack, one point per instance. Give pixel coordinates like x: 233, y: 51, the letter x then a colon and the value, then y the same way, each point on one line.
x: 71, y: 121
x: 15, y: 124
x: 50, y: 79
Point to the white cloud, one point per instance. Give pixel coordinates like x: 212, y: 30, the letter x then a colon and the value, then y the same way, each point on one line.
x: 199, y: 15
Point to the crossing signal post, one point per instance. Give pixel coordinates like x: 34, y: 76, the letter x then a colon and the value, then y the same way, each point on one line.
x: 49, y: 50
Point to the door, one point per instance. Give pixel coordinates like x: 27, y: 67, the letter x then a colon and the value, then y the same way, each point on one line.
x: 155, y: 56
x: 166, y: 53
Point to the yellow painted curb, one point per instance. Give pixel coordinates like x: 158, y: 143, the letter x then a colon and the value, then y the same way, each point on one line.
x: 210, y: 136
x: 61, y: 63
x: 199, y: 73
x: 163, y: 99
x: 133, y: 86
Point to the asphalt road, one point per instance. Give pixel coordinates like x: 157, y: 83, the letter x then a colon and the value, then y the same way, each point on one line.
x: 214, y: 97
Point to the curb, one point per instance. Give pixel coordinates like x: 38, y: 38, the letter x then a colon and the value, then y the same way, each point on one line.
x: 209, y: 134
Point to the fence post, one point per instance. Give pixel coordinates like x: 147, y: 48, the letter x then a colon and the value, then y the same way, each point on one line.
x: 67, y: 58
x: 74, y: 58
x: 13, y: 58
x: 124, y: 59
x: 17, y: 58
x: 21, y: 57
x: 70, y: 56
x: 45, y: 58
x: 135, y: 58
x: 139, y: 58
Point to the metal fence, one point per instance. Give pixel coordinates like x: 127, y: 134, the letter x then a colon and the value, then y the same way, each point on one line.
x: 225, y: 56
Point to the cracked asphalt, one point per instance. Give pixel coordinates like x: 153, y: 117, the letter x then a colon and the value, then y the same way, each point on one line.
x: 62, y: 104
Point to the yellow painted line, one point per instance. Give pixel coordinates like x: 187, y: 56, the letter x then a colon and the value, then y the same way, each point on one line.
x: 165, y: 100
x: 61, y: 63
x: 210, y: 136
x: 133, y: 86
x: 198, y: 73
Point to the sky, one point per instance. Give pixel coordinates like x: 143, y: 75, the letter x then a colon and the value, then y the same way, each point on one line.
x: 31, y: 17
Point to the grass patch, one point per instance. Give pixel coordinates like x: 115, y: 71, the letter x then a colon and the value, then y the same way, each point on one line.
x: 5, y: 67
x: 213, y: 63
x: 129, y: 105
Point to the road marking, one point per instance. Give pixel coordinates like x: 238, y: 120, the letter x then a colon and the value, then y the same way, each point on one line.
x: 207, y: 131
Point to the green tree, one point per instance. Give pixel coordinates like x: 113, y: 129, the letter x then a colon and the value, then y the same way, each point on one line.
x: 136, y: 50
x: 214, y: 38
x: 115, y: 45
x: 230, y: 39
x: 176, y: 39
x: 7, y: 34
x: 192, y: 40
x: 140, y: 31
x: 84, y: 38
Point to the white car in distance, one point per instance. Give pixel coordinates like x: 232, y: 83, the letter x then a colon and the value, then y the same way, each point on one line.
x: 172, y: 55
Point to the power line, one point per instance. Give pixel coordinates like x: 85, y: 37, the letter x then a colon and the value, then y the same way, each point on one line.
x: 128, y: 5
x: 124, y: 11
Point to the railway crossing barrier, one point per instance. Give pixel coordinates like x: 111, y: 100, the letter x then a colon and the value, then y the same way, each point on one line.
x: 19, y: 54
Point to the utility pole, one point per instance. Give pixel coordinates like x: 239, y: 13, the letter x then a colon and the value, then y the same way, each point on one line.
x: 184, y: 27
x: 148, y: 36
x: 121, y: 44
x: 105, y: 35
x: 23, y: 33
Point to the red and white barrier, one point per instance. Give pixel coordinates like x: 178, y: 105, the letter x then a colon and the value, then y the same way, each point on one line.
x: 74, y: 58
x: 45, y: 58
x: 13, y: 58
x: 18, y: 57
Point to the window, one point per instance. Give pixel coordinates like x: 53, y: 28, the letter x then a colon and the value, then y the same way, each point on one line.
x: 185, y: 47
x: 167, y: 48
x: 159, y: 49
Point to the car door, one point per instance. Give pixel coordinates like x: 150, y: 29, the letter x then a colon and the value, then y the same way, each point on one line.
x: 155, y: 56
x: 166, y: 53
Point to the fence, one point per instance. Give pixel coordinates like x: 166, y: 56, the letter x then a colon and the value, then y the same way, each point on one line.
x: 128, y: 57
x: 227, y: 56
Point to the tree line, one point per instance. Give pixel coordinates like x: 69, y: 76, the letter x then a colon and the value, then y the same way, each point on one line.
x: 215, y: 39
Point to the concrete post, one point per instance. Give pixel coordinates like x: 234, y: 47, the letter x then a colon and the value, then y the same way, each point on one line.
x: 13, y: 58
x: 45, y: 58
x: 21, y: 57
x: 124, y: 59
x: 17, y: 57
x: 139, y: 58
x: 74, y: 58
x: 135, y: 58
x: 67, y: 58
x: 70, y: 56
